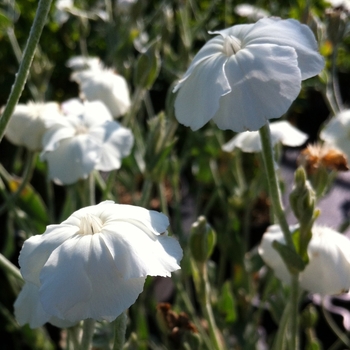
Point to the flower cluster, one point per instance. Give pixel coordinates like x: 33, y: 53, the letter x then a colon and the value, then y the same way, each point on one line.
x: 104, y: 254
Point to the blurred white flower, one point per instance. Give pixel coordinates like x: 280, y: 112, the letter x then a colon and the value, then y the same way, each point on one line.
x: 283, y: 131
x: 61, y: 14
x: 247, y: 74
x: 340, y: 3
x: 252, y: 12
x: 106, y: 86
x: 27, y: 124
x: 328, y: 271
x: 336, y: 132
x: 94, y: 264
x: 78, y: 63
x: 75, y: 145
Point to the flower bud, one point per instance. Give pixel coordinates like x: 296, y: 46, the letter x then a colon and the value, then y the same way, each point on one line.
x: 302, y: 198
x: 202, y: 240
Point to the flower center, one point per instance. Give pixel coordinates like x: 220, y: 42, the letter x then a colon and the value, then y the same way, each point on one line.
x: 231, y: 45
x: 90, y: 224
x: 81, y: 129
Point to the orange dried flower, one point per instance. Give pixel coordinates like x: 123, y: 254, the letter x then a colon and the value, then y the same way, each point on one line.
x: 317, y: 156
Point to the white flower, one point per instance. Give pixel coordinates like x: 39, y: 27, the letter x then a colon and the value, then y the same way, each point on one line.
x: 78, y: 63
x: 328, y: 271
x: 27, y: 124
x: 283, y: 131
x: 61, y: 7
x: 252, y: 12
x: 94, y: 264
x: 106, y: 86
x: 75, y: 145
x: 340, y: 3
x: 336, y: 133
x: 247, y: 74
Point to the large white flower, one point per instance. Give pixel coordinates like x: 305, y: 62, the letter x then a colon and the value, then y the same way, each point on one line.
x: 94, y: 264
x: 328, y: 271
x: 283, y: 131
x: 336, y: 133
x: 80, y: 142
x: 27, y: 124
x: 247, y: 74
x: 104, y: 85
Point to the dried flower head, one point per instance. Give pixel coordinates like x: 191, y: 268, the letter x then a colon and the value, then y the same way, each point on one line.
x: 317, y: 156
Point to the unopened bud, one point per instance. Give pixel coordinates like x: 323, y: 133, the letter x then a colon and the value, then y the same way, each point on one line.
x: 302, y: 198
x: 202, y: 240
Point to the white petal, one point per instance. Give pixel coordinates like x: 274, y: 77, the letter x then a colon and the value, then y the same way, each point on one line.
x: 337, y: 127
x: 73, y: 106
x: 117, y: 144
x: 95, y: 113
x: 28, y: 308
x: 198, y: 98
x: 74, y: 159
x: 293, y: 34
x: 95, y: 288
x: 287, y: 134
x: 109, y: 212
x: 247, y: 141
x: 137, y: 254
x: 37, y: 249
x: 54, y: 135
x: 212, y: 49
x: 271, y: 256
x: 265, y: 80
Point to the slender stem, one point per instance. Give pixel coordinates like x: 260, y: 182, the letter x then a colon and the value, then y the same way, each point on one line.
x: 294, y: 303
x: 275, y: 195
x: 88, y: 332
x: 146, y: 192
x: 29, y: 51
x: 50, y: 199
x: 207, y: 309
x: 18, y: 53
x: 339, y: 333
x: 119, y: 331
x: 279, y: 343
x: 10, y: 268
x: 92, y: 199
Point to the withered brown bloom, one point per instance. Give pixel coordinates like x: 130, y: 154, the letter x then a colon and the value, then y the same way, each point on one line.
x: 315, y: 157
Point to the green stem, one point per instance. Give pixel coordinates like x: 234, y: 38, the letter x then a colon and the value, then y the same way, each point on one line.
x: 28, y: 55
x: 294, y: 303
x: 339, y: 333
x: 279, y: 343
x: 275, y: 195
x: 119, y: 331
x: 88, y: 332
x: 10, y: 268
x: 92, y: 199
x: 207, y: 309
